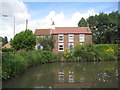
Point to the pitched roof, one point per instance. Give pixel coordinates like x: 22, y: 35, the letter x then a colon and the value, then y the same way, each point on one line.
x: 42, y: 31
x: 75, y: 30
x: 64, y: 30
x: 7, y: 45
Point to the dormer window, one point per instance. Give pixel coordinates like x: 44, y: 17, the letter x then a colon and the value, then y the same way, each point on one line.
x: 60, y: 37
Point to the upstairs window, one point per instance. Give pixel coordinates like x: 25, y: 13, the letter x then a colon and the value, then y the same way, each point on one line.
x: 71, y: 37
x: 82, y: 37
x: 60, y: 37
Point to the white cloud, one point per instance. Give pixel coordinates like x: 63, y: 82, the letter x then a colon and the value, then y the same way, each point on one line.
x: 60, y: 19
x: 18, y: 9
x: 12, y: 8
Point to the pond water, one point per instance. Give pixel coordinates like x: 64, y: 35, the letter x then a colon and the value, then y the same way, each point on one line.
x: 68, y: 75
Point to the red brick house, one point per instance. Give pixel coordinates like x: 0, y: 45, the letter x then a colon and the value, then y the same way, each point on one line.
x: 66, y: 37
x: 7, y: 45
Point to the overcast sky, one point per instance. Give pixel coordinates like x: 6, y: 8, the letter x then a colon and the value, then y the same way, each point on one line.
x: 39, y: 13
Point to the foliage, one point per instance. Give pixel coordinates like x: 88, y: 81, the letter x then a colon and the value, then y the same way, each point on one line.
x: 24, y: 40
x: 104, y: 28
x: 4, y: 41
x: 15, y: 64
x: 59, y: 56
x: 0, y: 39
x: 84, y: 52
x: 7, y: 49
x: 68, y: 56
x: 47, y: 41
x: 82, y: 23
x: 99, y: 52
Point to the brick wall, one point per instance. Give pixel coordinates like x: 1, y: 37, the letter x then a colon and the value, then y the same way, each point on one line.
x: 88, y: 39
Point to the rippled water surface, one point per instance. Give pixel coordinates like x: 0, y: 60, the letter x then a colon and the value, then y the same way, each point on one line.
x: 68, y: 75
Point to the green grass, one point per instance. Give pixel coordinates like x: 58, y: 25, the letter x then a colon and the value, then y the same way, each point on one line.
x: 15, y: 64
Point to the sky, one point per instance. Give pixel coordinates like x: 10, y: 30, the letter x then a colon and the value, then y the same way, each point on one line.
x: 40, y: 13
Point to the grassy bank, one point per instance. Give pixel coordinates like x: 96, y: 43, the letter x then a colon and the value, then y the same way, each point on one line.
x: 15, y: 64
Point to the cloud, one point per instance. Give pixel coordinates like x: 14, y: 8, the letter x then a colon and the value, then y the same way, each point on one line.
x: 12, y: 8
x: 60, y: 19
x: 18, y: 9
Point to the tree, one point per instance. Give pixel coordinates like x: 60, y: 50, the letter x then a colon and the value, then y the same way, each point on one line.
x: 24, y: 40
x: 47, y: 42
x: 82, y: 23
x: 4, y: 41
x: 104, y: 28
x: 0, y: 39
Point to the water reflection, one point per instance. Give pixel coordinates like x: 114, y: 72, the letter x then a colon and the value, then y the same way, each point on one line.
x: 61, y: 75
x: 68, y: 75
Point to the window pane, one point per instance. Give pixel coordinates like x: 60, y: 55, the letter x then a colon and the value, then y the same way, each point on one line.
x: 82, y: 37
x: 60, y: 36
x: 60, y: 48
x: 60, y: 45
x: 71, y: 37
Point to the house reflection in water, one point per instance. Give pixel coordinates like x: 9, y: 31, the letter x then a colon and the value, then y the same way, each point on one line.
x: 71, y: 77
x: 61, y: 75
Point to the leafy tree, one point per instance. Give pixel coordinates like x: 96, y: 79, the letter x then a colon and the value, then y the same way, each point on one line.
x: 4, y: 41
x: 47, y: 41
x: 82, y: 23
x: 104, y: 28
x: 0, y: 39
x: 24, y: 40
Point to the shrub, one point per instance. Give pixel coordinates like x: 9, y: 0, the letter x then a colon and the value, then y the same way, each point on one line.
x: 15, y: 64
x: 84, y: 52
x: 100, y: 52
x: 58, y: 56
x: 7, y: 49
x: 68, y: 56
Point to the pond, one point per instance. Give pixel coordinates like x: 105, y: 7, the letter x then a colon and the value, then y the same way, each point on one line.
x: 68, y: 75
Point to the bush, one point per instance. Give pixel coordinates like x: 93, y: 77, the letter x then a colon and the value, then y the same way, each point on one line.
x: 7, y: 49
x: 84, y: 52
x: 68, y: 56
x: 105, y: 51
x: 15, y: 64
x: 100, y: 52
x: 58, y: 56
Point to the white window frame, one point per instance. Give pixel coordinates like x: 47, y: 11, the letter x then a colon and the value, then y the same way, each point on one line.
x: 82, y: 37
x: 69, y: 46
x: 60, y: 38
x: 71, y: 37
x: 59, y: 47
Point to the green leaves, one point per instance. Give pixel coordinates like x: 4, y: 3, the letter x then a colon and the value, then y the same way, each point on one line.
x: 82, y: 23
x: 96, y: 52
x: 4, y: 41
x: 24, y: 40
x: 47, y: 41
x: 104, y: 27
x: 15, y: 64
